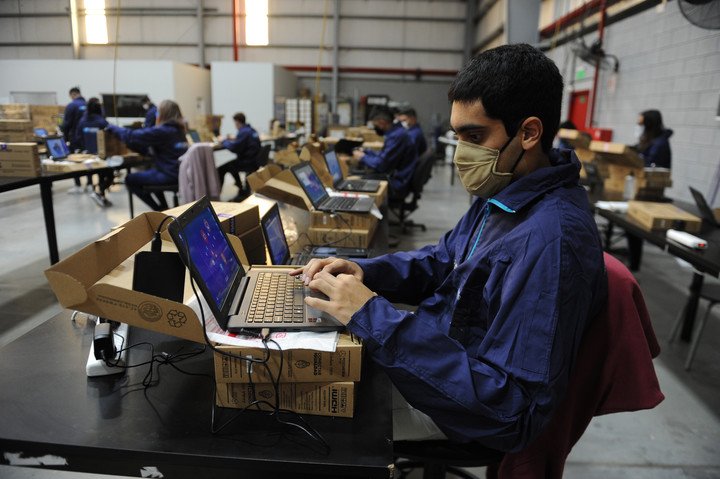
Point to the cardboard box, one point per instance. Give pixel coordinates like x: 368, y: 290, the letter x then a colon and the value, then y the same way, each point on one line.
x: 576, y: 138
x: 110, y: 145
x: 344, y: 221
x: 663, y: 216
x: 47, y: 116
x: 616, y: 153
x: 22, y: 126
x: 19, y: 159
x: 280, y: 185
x: 299, y: 365
x: 320, y: 399
x: 360, y: 238
x: 15, y: 111
x: 64, y: 166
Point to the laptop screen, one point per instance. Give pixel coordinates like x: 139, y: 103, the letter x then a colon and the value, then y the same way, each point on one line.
x: 195, y: 136
x: 275, y: 236
x: 57, y: 148
x: 41, y: 132
x: 333, y: 166
x: 211, y: 256
x: 310, y: 182
x: 705, y: 211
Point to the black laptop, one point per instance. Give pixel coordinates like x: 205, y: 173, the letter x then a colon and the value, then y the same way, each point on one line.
x: 57, y: 149
x: 240, y: 301
x: 341, y: 184
x: 346, y: 146
x: 276, y: 242
x: 705, y: 211
x: 321, y: 200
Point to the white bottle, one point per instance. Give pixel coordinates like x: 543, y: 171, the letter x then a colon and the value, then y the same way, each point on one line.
x: 629, y: 190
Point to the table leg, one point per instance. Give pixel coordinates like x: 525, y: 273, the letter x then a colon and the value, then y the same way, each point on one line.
x: 635, y: 249
x: 130, y: 203
x: 691, y: 306
x: 608, y: 235
x: 49, y: 215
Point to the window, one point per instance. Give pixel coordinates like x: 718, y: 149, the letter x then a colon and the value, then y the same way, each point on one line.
x: 256, y: 22
x: 95, y: 22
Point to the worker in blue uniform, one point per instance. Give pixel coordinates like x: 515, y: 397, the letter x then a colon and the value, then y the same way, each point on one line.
x: 165, y: 143
x: 73, y: 112
x: 503, y: 298
x: 408, y: 119
x: 654, y: 140
x: 151, y: 112
x: 86, y: 138
x: 398, y: 157
x: 246, y: 146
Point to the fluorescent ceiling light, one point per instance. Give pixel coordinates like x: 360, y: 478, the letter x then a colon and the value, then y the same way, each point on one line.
x: 256, y: 22
x: 95, y: 22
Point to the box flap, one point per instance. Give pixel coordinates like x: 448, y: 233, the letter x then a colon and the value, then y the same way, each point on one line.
x: 616, y: 153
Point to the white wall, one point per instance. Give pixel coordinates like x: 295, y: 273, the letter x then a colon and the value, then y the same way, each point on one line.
x: 158, y: 79
x: 247, y: 87
x: 192, y: 90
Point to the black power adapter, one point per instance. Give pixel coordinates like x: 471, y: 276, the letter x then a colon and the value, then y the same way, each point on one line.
x: 103, y: 342
x: 159, y: 273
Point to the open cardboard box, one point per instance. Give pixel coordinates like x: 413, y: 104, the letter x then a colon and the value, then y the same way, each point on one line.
x: 616, y: 153
x: 280, y: 185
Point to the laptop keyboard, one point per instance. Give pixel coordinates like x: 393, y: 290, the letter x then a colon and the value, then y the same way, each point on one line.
x: 339, y: 203
x: 278, y: 298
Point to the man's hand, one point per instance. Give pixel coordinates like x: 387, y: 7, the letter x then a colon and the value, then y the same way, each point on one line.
x: 330, y: 265
x: 358, y: 154
x: 346, y: 293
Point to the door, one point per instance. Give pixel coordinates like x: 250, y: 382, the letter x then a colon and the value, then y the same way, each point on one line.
x: 579, y: 108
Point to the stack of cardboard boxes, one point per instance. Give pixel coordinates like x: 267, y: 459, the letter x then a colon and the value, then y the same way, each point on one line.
x: 109, y: 145
x: 15, y: 111
x: 47, y: 116
x: 16, y: 131
x: 19, y: 159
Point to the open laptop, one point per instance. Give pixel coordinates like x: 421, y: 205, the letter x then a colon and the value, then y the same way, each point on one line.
x: 194, y: 136
x: 240, y: 301
x: 57, y: 149
x: 341, y: 184
x: 705, y: 211
x: 321, y: 201
x: 274, y: 233
x: 40, y: 132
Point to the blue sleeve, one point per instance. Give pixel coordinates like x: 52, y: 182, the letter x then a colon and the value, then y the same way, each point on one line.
x: 240, y: 142
x: 386, y: 160
x: 658, y: 153
x: 68, y: 118
x: 502, y: 392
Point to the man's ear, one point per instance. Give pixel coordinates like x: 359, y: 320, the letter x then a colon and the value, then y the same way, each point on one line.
x: 532, y: 130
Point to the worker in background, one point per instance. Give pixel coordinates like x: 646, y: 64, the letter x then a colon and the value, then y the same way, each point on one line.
x: 73, y: 112
x: 151, y: 112
x: 91, y: 122
x: 561, y: 142
x: 398, y: 157
x: 503, y: 299
x: 246, y: 146
x: 653, y: 139
x: 408, y: 119
x: 164, y: 143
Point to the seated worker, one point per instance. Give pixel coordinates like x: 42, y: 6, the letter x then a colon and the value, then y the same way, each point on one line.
x: 561, y: 142
x: 92, y: 121
x: 653, y: 139
x: 246, y: 146
x: 151, y: 112
x: 398, y: 156
x: 165, y: 143
x: 503, y: 299
x: 408, y: 119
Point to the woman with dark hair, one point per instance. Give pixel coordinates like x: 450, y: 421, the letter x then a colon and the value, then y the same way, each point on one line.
x: 165, y: 143
x: 653, y: 137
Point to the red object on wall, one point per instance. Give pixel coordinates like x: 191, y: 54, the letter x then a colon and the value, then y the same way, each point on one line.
x: 600, y: 134
x: 579, y: 108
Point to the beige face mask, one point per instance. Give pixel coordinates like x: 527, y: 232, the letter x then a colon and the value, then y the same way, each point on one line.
x: 477, y: 167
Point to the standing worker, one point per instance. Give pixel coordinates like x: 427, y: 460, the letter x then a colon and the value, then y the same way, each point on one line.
x: 408, y: 119
x: 73, y: 112
x: 654, y: 140
x: 151, y: 112
x: 165, y: 143
x: 246, y: 146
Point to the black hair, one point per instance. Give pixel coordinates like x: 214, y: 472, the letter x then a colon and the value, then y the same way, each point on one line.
x: 568, y: 125
x: 94, y: 107
x: 409, y: 111
x: 513, y: 82
x: 653, y: 127
x: 381, y: 112
x: 145, y: 99
x: 239, y: 117
x: 75, y: 89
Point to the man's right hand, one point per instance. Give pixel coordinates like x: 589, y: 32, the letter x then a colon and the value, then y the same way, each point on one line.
x: 331, y: 265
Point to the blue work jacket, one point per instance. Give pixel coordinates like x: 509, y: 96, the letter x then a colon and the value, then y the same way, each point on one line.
x: 658, y: 152
x: 71, y: 117
x: 246, y: 145
x: 503, y: 300
x: 164, y: 143
x: 89, y: 124
x: 150, y: 116
x: 397, y: 158
x: 418, y: 138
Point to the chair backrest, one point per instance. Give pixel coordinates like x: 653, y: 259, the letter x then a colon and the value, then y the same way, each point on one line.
x: 263, y: 155
x: 423, y: 172
x: 613, y: 373
x: 90, y: 139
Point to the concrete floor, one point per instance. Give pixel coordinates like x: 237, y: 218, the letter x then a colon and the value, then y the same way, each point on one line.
x: 678, y: 439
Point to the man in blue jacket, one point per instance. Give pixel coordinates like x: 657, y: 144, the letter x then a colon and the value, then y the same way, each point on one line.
x: 504, y: 298
x: 151, y: 112
x: 246, y: 146
x: 408, y: 119
x: 71, y: 117
x: 398, y: 156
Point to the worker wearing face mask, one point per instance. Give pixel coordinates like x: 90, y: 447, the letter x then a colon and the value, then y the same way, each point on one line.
x: 653, y: 139
x: 398, y: 156
x: 408, y: 119
x: 502, y: 300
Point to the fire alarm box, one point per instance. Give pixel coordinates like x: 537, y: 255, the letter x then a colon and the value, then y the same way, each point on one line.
x: 600, y: 134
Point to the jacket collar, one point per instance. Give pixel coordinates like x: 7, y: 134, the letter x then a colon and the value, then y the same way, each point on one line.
x: 564, y: 170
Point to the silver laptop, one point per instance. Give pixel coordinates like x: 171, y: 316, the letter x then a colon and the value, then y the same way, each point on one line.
x: 240, y: 301
x: 321, y: 201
